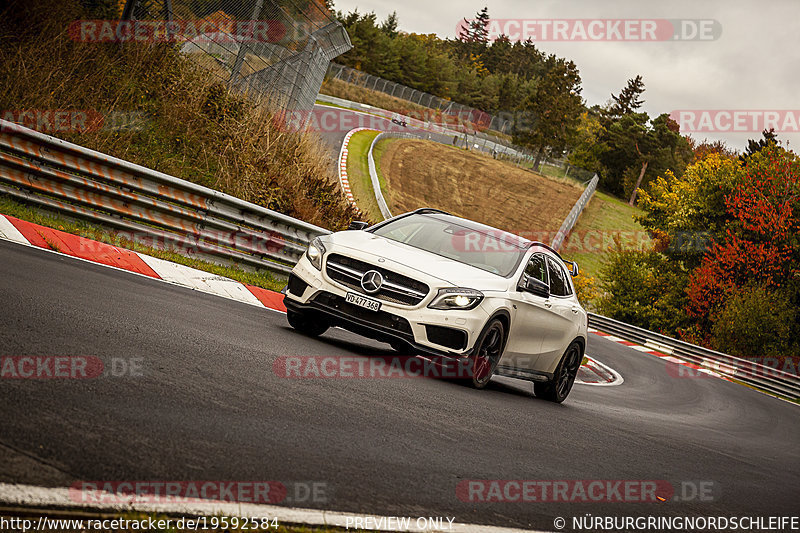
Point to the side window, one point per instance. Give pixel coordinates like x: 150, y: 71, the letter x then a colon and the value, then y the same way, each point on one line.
x: 559, y: 283
x: 536, y: 268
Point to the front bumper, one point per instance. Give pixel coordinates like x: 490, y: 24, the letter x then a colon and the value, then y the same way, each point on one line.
x: 393, y: 322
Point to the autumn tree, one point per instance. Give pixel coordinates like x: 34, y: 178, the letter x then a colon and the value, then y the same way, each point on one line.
x: 760, y: 250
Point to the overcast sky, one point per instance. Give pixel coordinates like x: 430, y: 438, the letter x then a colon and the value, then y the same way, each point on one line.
x: 753, y: 65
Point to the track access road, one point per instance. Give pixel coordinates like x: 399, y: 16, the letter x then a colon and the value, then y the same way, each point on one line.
x: 207, y: 406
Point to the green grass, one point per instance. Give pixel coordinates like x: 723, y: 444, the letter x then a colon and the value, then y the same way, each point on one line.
x: 605, y: 220
x: 12, y: 208
x: 358, y: 174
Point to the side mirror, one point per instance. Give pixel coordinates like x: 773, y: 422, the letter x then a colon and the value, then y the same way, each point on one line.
x: 574, y: 270
x: 537, y: 287
x: 357, y: 225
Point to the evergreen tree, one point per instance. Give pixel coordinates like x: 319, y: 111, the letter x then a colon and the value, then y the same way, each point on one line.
x: 753, y: 146
x: 629, y: 100
x: 389, y: 26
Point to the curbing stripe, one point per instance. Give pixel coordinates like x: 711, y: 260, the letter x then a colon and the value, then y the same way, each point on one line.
x: 138, y: 263
x: 344, y: 181
x: 75, y: 246
x: 597, y: 374
x: 200, y: 280
x: 10, y: 233
x: 658, y: 350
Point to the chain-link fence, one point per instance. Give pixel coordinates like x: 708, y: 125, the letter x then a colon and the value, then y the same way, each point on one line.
x: 560, y: 168
x: 278, y: 50
x: 463, y: 113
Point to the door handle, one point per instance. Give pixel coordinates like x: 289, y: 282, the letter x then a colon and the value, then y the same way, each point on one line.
x: 548, y: 305
x: 575, y: 310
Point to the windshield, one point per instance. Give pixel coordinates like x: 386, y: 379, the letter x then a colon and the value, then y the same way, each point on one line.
x: 467, y: 242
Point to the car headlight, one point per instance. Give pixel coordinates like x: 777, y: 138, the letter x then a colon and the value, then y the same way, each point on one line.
x: 456, y: 298
x: 315, y: 252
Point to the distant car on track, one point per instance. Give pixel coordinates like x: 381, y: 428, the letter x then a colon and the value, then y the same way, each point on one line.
x: 434, y: 284
x: 400, y: 121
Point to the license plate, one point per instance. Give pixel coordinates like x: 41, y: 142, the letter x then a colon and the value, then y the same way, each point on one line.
x: 366, y: 303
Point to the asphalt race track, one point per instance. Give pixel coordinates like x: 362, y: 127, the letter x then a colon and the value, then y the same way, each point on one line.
x: 207, y: 406
x: 333, y: 123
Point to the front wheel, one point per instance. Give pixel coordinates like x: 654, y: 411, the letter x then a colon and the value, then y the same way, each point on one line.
x: 312, y: 325
x: 487, y: 352
x: 559, y: 387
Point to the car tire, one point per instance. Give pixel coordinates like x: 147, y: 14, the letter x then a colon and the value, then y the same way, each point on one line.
x: 560, y: 386
x: 486, y: 354
x: 311, y: 325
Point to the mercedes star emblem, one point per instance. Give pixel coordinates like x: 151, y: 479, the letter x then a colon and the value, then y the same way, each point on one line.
x: 371, y: 281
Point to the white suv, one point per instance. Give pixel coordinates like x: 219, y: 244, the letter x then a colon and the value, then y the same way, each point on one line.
x: 440, y: 286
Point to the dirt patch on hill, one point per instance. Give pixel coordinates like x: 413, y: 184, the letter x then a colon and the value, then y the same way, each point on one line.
x: 473, y: 185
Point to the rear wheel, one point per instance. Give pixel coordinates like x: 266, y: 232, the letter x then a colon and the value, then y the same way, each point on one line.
x: 487, y: 352
x: 560, y: 386
x: 308, y: 324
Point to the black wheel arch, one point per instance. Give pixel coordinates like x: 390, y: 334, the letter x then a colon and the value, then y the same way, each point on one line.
x: 505, y: 318
x: 582, y: 343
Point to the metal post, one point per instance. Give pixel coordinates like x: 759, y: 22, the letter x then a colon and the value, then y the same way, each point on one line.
x: 168, y: 18
x: 129, y: 9
x: 237, y: 65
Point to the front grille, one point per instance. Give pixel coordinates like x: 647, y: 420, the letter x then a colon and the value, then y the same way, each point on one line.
x: 296, y: 285
x: 379, y: 318
x: 396, y: 288
x: 452, y: 338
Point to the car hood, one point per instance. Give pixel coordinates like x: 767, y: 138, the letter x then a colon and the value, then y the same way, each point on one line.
x: 403, y: 258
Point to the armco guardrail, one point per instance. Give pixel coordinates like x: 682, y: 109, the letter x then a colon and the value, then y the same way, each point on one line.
x: 574, y: 213
x: 147, y: 206
x: 752, y: 373
x: 373, y: 170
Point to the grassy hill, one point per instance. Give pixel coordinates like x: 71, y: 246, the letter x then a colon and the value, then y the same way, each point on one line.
x: 186, y: 122
x: 472, y: 184
x: 605, y: 224
x: 420, y: 173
